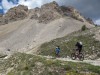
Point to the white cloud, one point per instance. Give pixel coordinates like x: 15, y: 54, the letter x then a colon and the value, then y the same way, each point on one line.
x: 97, y: 22
x: 31, y: 3
x: 1, y: 7
x: 7, y: 5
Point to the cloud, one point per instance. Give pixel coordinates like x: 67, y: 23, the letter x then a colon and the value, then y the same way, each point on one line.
x: 31, y: 3
x: 1, y: 7
x: 7, y: 5
x: 97, y: 21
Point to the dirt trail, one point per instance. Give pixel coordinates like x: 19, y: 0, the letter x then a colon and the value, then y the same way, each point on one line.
x: 92, y: 62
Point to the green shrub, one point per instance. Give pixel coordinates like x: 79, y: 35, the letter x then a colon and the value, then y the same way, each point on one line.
x: 83, y: 28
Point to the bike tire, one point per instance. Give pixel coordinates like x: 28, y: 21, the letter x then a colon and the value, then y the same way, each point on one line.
x: 73, y: 56
x: 81, y: 57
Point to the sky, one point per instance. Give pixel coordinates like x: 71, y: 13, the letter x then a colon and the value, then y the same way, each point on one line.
x: 88, y: 8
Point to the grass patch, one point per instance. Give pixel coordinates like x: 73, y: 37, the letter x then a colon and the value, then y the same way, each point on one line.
x: 42, y: 66
x: 67, y: 44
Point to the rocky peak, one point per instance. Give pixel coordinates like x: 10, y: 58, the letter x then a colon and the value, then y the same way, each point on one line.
x: 47, y: 12
x: 22, y: 7
x: 53, y: 5
x: 90, y: 21
x: 72, y: 12
x: 72, y: 9
x: 17, y: 13
x: 51, y: 11
x: 68, y: 9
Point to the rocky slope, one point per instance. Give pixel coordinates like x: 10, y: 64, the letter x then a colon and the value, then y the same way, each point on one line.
x: 27, y: 34
x: 28, y: 29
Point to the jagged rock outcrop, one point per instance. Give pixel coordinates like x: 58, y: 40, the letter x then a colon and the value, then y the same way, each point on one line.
x: 3, y: 20
x: 90, y: 21
x: 52, y: 11
x: 72, y: 12
x: 16, y: 13
x: 47, y: 12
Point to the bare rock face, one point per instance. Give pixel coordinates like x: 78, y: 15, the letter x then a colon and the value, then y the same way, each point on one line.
x: 16, y: 13
x: 47, y: 12
x: 35, y: 13
x: 72, y: 12
x: 90, y: 21
x: 3, y: 20
x: 51, y: 11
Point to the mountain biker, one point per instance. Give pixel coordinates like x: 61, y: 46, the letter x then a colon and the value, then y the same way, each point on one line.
x: 57, y: 50
x: 79, y: 47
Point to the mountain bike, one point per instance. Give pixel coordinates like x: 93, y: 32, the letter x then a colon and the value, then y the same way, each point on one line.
x: 78, y: 55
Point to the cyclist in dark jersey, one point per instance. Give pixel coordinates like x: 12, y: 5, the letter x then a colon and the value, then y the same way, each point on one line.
x: 79, y: 46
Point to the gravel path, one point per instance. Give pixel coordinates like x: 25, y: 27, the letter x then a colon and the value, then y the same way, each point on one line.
x: 93, y: 62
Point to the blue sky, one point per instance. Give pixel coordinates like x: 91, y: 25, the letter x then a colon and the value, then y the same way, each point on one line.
x: 89, y: 8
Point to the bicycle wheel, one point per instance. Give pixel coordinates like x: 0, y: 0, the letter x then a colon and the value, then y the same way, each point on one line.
x: 73, y: 56
x: 81, y: 57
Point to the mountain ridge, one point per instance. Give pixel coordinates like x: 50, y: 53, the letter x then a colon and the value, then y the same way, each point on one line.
x: 45, y: 14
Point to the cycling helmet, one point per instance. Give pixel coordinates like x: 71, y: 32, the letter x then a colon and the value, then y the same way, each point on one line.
x: 80, y: 43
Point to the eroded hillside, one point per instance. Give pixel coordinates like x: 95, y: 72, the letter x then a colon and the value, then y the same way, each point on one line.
x: 23, y: 29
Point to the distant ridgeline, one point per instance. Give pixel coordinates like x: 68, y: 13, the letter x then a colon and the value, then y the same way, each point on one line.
x: 47, y: 13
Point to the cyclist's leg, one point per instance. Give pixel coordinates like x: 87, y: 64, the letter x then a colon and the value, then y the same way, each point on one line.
x: 80, y: 49
x: 77, y: 51
x: 57, y: 52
